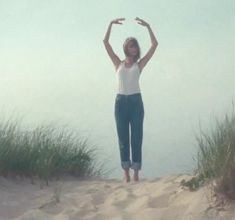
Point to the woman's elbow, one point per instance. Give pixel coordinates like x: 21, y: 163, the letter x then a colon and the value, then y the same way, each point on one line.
x: 155, y: 43
x: 105, y: 41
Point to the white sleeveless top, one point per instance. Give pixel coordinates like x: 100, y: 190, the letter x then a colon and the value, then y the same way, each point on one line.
x: 128, y: 79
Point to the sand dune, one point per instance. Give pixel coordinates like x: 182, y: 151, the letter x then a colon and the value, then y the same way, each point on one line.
x: 101, y: 199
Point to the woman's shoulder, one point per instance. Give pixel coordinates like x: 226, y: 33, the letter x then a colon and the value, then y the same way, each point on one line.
x: 120, y: 63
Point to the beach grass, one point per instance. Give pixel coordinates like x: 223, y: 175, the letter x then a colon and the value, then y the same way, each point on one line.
x: 46, y: 152
x: 216, y: 159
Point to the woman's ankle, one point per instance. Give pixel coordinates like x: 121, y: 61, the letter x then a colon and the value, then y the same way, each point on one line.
x: 127, y: 175
x: 136, y: 175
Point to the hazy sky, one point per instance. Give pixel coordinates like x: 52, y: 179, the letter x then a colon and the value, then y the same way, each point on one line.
x: 54, y: 67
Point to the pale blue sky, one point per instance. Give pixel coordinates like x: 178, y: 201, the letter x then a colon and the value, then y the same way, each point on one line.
x: 53, y: 66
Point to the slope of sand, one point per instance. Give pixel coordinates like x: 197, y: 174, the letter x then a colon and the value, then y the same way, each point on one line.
x: 101, y: 199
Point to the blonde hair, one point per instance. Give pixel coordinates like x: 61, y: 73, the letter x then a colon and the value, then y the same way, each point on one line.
x: 135, y: 42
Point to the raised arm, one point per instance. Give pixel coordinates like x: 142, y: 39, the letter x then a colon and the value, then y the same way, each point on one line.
x: 143, y: 61
x: 115, y: 59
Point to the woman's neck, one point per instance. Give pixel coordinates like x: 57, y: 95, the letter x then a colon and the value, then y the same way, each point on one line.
x: 129, y: 60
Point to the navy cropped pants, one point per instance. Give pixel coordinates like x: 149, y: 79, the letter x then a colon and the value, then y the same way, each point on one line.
x: 129, y: 111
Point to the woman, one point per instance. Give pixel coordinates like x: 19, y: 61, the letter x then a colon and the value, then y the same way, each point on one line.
x: 129, y: 108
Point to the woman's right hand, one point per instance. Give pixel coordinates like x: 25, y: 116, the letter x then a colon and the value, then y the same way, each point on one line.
x: 117, y: 21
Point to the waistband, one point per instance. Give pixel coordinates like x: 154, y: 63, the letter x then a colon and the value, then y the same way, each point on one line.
x: 131, y: 95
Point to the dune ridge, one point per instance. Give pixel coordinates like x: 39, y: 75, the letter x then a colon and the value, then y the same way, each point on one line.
x: 160, y: 198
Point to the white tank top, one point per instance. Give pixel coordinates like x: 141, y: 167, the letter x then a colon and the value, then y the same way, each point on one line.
x: 128, y: 79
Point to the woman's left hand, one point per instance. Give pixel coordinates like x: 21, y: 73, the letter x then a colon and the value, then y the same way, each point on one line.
x: 142, y: 22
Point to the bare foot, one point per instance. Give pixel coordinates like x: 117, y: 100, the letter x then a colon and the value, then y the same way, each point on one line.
x: 127, y: 175
x: 136, y: 175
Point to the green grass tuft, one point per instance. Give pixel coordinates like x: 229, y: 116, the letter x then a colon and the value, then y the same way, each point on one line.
x: 46, y: 152
x: 216, y: 159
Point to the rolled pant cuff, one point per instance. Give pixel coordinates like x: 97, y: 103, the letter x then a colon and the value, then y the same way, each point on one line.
x: 136, y: 166
x: 126, y: 164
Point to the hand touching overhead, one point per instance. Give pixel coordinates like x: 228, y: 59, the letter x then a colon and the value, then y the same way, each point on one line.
x: 117, y: 21
x: 141, y: 22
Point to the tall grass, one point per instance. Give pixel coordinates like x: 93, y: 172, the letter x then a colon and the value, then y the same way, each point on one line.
x: 46, y: 152
x: 216, y: 158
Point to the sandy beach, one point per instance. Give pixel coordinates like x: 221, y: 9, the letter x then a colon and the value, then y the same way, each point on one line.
x: 101, y: 199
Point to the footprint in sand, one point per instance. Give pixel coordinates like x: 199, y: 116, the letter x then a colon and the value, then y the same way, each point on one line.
x: 98, y: 198
x: 120, y: 198
x: 159, y: 201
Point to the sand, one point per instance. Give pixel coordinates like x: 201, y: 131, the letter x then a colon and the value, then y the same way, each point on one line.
x: 159, y: 198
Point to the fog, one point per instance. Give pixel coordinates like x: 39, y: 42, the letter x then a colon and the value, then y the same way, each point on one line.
x: 54, y: 67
